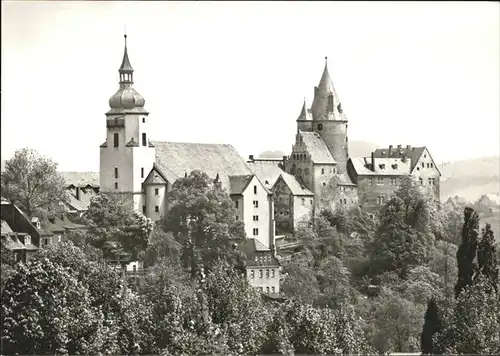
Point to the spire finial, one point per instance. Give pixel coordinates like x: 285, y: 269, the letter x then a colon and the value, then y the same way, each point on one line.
x: 326, y: 61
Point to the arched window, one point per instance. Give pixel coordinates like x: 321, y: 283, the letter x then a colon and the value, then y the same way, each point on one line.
x: 115, y: 139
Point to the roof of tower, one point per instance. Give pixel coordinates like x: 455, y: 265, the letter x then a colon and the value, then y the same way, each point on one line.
x: 321, y: 93
x: 126, y: 67
x: 305, y: 113
x: 126, y: 97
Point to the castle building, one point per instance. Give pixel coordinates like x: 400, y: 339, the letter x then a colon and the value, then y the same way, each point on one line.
x: 144, y: 171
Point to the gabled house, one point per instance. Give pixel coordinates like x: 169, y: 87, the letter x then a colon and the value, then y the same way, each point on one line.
x: 17, y: 242
x: 262, y: 267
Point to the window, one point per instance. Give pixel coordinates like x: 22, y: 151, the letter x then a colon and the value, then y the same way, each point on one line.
x: 237, y: 217
x: 432, y: 165
x: 311, y: 202
x: 116, y: 185
x: 157, y: 191
x: 320, y: 127
x: 157, y: 209
x: 345, y: 201
x: 423, y: 165
x: 393, y: 181
x: 267, y: 290
x: 27, y: 240
x: 256, y: 218
x: 115, y: 140
x: 395, y: 166
x: 428, y: 165
x: 267, y: 273
x: 272, y: 273
x: 303, y: 201
x: 143, y: 120
x: 252, y: 274
x: 380, y: 200
x: 45, y: 241
x: 431, y: 181
x: 142, y: 172
x: 236, y: 204
x: 134, y: 268
x: 324, y: 184
x: 421, y: 180
x: 334, y: 170
x: 382, y: 166
x: 370, y: 181
x: 116, y: 172
x: 340, y: 201
x: 255, y: 203
x: 144, y: 209
x: 380, y: 181
x: 322, y: 171
x: 144, y: 143
x: 425, y: 156
x: 255, y: 189
x: 272, y: 289
x: 255, y: 232
x: 260, y: 273
x: 330, y: 103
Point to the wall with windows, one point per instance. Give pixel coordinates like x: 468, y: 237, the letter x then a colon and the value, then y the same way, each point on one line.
x: 155, y: 204
x: 375, y: 190
x: 427, y: 175
x: 264, y: 278
x: 302, y: 210
x: 258, y: 212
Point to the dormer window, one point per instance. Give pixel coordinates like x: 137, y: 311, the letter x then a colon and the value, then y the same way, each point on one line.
x: 382, y: 166
x: 320, y: 127
x: 395, y: 166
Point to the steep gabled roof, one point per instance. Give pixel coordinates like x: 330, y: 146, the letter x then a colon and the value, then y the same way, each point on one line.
x: 295, y: 187
x: 322, y: 91
x: 258, y: 254
x: 317, y: 148
x: 181, y: 158
x: 266, y: 171
x: 344, y: 179
x: 359, y: 165
x: 238, y: 184
x: 81, y: 179
x: 159, y: 175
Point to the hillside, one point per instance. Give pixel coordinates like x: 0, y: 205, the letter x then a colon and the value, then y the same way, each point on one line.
x: 470, y: 178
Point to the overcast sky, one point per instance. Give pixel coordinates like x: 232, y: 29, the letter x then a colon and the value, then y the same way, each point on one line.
x: 221, y: 72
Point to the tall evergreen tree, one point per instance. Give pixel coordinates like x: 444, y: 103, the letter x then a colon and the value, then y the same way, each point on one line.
x: 432, y: 326
x: 488, y: 263
x: 467, y: 251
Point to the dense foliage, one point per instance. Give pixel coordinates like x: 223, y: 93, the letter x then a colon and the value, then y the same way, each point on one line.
x: 32, y: 182
x: 418, y: 277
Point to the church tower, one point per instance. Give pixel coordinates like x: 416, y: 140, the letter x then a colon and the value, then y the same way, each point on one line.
x: 127, y: 156
x: 329, y: 120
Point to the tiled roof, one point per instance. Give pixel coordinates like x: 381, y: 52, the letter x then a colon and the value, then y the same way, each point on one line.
x: 361, y: 165
x: 266, y: 171
x: 12, y: 243
x: 317, y: 148
x: 238, y: 184
x: 412, y: 153
x: 78, y: 204
x: 81, y: 179
x: 60, y: 225
x: 253, y: 248
x: 180, y: 158
x: 295, y: 187
x: 305, y: 113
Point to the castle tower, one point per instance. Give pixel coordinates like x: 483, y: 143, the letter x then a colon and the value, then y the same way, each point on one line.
x: 304, y: 120
x: 127, y: 156
x: 329, y: 120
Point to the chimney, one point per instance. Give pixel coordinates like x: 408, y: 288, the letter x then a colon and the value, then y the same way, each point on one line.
x: 373, y: 162
x: 408, y: 150
x: 399, y: 147
x: 390, y: 151
x: 77, y: 193
x: 284, y: 162
x: 315, y: 91
x: 250, y: 158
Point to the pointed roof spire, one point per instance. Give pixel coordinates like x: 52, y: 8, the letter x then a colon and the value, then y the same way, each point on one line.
x: 325, y: 89
x: 304, y: 113
x: 126, y: 67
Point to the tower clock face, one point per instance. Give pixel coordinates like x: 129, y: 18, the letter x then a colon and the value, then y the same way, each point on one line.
x: 320, y: 127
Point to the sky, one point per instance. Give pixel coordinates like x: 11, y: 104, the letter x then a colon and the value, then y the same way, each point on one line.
x: 237, y: 73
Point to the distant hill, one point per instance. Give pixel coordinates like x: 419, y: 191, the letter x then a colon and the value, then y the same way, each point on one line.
x: 470, y: 178
x: 272, y: 154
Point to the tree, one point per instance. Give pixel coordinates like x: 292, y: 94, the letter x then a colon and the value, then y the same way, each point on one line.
x: 467, y: 251
x: 488, y: 264
x: 116, y: 229
x: 32, y: 182
x: 432, y: 327
x: 45, y: 309
x: 202, y: 219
